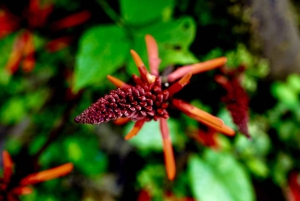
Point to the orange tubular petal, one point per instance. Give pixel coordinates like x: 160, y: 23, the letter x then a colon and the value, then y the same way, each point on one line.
x: 121, y: 121
x: 137, y: 127
x: 47, y: 174
x: 203, y: 117
x: 137, y: 59
x: 198, y: 114
x: 8, y: 166
x: 197, y: 68
x: 72, y: 20
x: 209, y: 65
x: 180, y: 84
x: 15, y: 55
x: 28, y: 52
x: 145, y: 75
x: 179, y: 73
x: 24, y: 190
x: 168, y: 150
x: 117, y: 82
x: 226, y: 130
x: 152, y: 50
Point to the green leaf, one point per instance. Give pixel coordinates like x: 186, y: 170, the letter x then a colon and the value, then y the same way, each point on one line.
x: 102, y: 50
x: 12, y: 111
x: 149, y: 137
x: 173, y: 39
x: 218, y: 176
x: 139, y: 12
x: 293, y: 82
x: 285, y: 94
x: 88, y: 159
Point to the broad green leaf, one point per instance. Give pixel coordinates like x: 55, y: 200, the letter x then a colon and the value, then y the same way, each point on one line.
x: 218, y: 176
x: 140, y: 12
x: 102, y: 50
x: 173, y: 38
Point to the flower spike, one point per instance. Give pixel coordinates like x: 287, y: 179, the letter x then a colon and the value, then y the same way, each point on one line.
x: 147, y: 100
x: 197, y: 68
x: 236, y: 98
x: 180, y: 84
x: 152, y: 50
x: 137, y: 127
x: 168, y: 150
x: 47, y: 174
x: 118, y: 83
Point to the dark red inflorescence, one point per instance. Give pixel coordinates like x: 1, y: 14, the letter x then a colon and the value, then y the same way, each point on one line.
x: 145, y: 101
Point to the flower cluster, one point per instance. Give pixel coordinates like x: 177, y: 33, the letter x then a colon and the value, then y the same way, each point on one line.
x: 147, y: 100
x: 12, y: 187
x: 236, y: 98
x: 35, y: 16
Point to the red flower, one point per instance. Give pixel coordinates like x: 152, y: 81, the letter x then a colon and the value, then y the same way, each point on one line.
x: 9, y: 191
x: 236, y: 98
x: 147, y: 100
x: 293, y: 189
x: 36, y: 16
x: 207, y: 138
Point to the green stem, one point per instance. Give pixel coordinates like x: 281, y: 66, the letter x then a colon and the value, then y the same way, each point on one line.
x: 111, y: 13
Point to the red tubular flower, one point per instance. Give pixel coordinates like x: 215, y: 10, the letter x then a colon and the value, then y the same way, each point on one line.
x: 147, y: 100
x: 8, y: 22
x: 10, y: 193
x: 236, y: 98
x: 36, y: 16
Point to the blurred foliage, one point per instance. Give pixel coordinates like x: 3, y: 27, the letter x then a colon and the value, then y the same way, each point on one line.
x: 37, y: 108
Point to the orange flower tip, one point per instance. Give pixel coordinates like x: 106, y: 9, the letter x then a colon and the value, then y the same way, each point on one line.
x: 150, y: 41
x: 137, y: 59
x: 185, y: 79
x: 227, y: 130
x: 149, y: 37
x: 137, y: 127
x: 121, y: 121
x: 47, y: 174
x: 169, y: 158
x: 22, y: 190
x: 7, y: 159
x: 209, y: 65
x: 116, y: 81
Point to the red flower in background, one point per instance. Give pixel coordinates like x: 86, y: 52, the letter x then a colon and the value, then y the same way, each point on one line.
x: 206, y: 137
x: 9, y: 190
x: 236, y: 98
x: 145, y: 195
x: 147, y: 100
x: 36, y: 16
x: 293, y: 189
